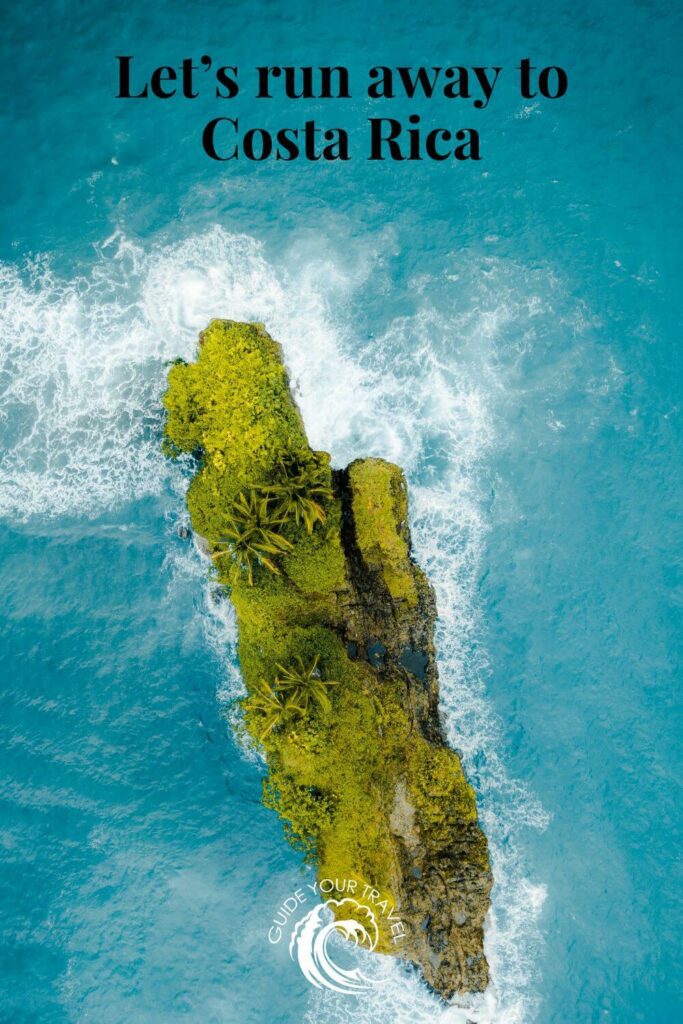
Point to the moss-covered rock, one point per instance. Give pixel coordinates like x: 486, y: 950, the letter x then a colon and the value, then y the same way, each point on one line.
x: 362, y: 776
x: 380, y: 515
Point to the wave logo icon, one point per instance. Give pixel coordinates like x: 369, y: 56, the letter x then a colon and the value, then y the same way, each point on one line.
x: 309, y: 944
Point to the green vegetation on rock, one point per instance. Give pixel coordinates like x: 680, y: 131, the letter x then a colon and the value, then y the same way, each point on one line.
x: 319, y: 569
x: 380, y: 509
x: 234, y: 410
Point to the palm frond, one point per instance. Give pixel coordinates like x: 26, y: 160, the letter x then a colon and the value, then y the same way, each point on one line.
x: 250, y: 534
x: 305, y: 683
x: 299, y: 490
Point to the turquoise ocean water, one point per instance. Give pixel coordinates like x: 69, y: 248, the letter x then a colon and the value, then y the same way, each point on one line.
x: 508, y: 331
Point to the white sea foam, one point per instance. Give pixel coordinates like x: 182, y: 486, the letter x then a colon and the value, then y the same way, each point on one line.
x: 81, y: 376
